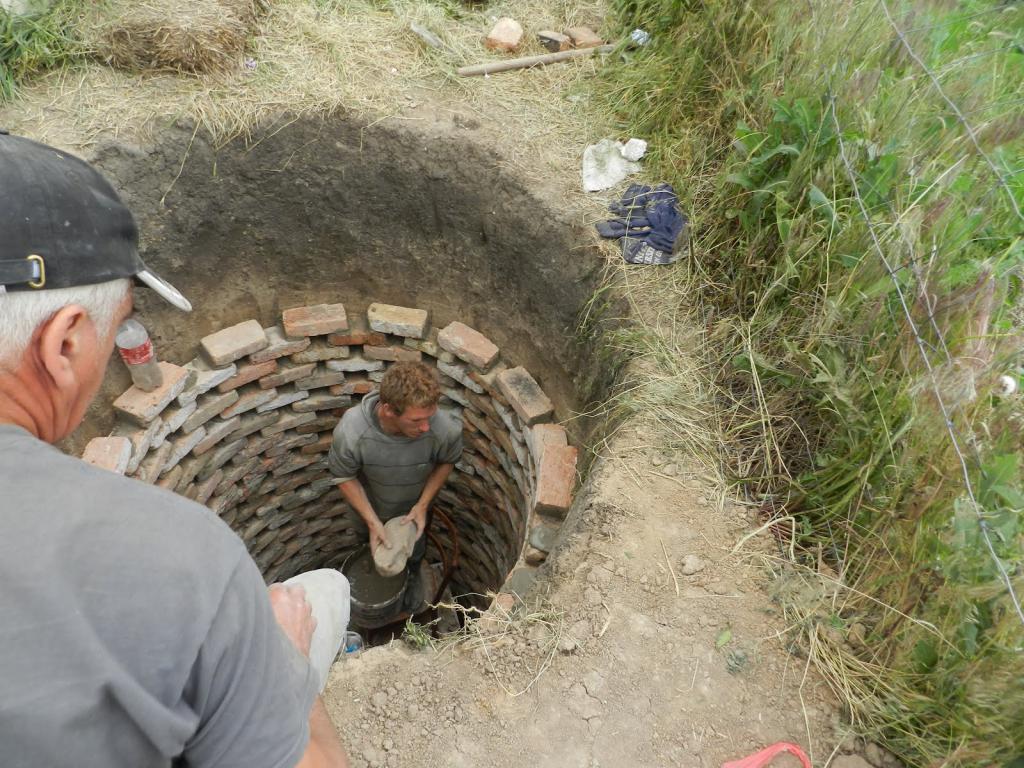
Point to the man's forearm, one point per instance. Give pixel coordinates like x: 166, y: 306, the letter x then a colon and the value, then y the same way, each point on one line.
x: 435, y: 482
x: 355, y: 495
x: 324, y: 749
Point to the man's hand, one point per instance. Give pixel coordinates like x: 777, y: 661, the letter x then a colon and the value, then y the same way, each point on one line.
x: 378, y: 537
x: 293, y: 614
x: 417, y: 516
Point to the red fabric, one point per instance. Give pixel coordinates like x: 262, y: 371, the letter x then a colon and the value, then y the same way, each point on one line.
x: 766, y: 755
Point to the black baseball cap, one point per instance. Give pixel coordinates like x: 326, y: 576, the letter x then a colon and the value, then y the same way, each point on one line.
x: 62, y: 224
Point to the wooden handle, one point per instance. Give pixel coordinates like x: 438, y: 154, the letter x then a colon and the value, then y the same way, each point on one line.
x: 525, y: 62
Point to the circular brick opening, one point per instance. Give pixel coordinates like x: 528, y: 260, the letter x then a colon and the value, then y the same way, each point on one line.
x: 310, y: 212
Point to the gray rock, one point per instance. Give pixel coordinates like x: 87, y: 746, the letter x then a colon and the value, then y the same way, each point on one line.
x: 692, y: 564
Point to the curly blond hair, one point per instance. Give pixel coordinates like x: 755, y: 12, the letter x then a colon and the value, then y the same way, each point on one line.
x: 408, y: 385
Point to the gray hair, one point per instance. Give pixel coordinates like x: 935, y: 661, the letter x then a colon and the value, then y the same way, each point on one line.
x: 21, y: 312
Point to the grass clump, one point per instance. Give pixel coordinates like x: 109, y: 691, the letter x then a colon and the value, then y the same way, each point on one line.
x: 36, y: 42
x: 855, y: 175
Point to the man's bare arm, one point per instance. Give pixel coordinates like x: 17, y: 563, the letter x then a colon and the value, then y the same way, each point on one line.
x: 355, y: 495
x: 435, y: 481
x: 324, y: 750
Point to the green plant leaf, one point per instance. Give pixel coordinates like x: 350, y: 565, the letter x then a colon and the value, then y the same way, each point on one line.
x: 723, y: 638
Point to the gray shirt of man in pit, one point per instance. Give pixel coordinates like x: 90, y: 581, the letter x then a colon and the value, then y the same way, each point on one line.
x: 92, y: 676
x: 393, y: 469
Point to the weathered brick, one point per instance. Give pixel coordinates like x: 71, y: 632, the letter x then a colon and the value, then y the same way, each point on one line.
x: 318, y: 424
x: 254, y: 398
x: 287, y: 376
x: 357, y: 334
x: 289, y: 444
x: 174, y: 418
x: 151, y: 466
x: 181, y: 447
x: 246, y: 374
x: 429, y: 346
x: 353, y: 387
x: 392, y: 354
x: 141, y: 439
x: 170, y: 480
x: 220, y: 457
x: 230, y: 344
x: 314, y: 320
x: 111, y: 453
x: 278, y: 345
x: 584, y: 37
x: 321, y: 378
x: 142, y: 407
x: 283, y: 399
x: 319, y: 351
x: 203, y: 378
x: 191, y: 467
x: 401, y: 321
x: 505, y: 35
x: 254, y: 422
x: 459, y: 374
x: 468, y: 344
x: 208, y: 406
x: 287, y: 421
x: 319, y: 445
x: 354, y: 364
x: 554, y: 41
x: 539, y: 436
x: 525, y: 396
x: 257, y: 445
x: 556, y: 476
x: 216, y: 430
x: 322, y: 403
x: 205, y: 488
x: 295, y: 463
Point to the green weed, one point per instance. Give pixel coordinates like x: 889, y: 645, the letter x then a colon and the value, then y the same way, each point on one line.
x: 34, y: 43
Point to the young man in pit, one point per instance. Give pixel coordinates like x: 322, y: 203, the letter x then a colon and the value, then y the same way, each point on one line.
x: 135, y: 629
x: 393, y: 453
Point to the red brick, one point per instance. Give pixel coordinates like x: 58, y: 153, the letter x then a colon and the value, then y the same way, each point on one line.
x: 209, y: 406
x: 468, y: 344
x: 142, y: 407
x: 525, y: 396
x: 401, y: 321
x: 358, y: 387
x: 320, y: 350
x: 584, y: 37
x: 286, y: 376
x: 556, y: 477
x: 279, y: 346
x: 323, y: 445
x: 540, y: 436
x: 247, y: 373
x: 248, y: 401
x: 506, y: 35
x: 392, y: 354
x: 111, y: 453
x: 314, y: 320
x: 230, y: 344
x: 357, y: 335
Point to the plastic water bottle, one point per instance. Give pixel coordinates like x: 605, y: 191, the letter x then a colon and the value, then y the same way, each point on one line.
x: 353, y: 644
x: 136, y: 350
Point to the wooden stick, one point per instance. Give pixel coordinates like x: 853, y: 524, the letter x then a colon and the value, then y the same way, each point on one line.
x: 526, y: 62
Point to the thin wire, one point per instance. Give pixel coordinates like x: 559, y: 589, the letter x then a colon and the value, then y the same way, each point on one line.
x: 983, y: 524
x: 955, y: 108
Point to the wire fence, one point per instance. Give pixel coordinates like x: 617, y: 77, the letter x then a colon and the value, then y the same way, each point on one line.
x: 957, y: 441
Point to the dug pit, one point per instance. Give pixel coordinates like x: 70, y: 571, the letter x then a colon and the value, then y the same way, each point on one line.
x: 317, y: 253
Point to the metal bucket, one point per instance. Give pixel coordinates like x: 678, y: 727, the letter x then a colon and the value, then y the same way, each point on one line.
x: 375, y: 599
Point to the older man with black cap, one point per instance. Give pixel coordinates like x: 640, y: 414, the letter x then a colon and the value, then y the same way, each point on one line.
x: 135, y: 629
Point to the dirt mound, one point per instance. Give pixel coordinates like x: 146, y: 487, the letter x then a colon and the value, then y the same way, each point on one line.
x: 191, y: 36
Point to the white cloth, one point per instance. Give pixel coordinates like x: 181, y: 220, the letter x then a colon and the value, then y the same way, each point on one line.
x: 328, y: 594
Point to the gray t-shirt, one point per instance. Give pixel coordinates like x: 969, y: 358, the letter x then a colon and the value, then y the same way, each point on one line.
x: 135, y: 630
x: 392, y: 469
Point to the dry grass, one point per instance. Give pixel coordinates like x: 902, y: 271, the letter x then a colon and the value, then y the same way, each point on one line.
x: 320, y: 57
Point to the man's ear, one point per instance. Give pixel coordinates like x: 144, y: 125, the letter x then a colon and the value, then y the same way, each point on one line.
x: 64, y: 339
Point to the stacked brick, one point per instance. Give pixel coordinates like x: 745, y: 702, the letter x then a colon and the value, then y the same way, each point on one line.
x: 246, y: 426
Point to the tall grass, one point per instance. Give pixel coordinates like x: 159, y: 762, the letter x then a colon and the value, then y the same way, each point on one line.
x: 861, y: 245
x: 34, y: 43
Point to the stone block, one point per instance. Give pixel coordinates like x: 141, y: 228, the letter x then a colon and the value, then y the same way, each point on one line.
x: 278, y: 345
x: 556, y: 477
x: 505, y: 35
x: 247, y: 401
x: 458, y: 373
x: 151, y: 466
x: 142, y: 407
x: 205, y: 488
x: 357, y: 334
x: 543, y: 537
x: 353, y: 387
x: 191, y: 467
x: 354, y: 364
x: 216, y: 430
x: 525, y: 396
x: 220, y: 457
x: 254, y: 422
x: 314, y: 320
x: 534, y: 556
x: 141, y: 439
x: 110, y: 453
x: 181, y: 447
x: 283, y: 399
x: 203, y: 378
x: 290, y: 444
x: 584, y: 37
x: 295, y: 463
x: 319, y: 424
x: 401, y: 321
x: 230, y: 344
x: 319, y: 445
x: 392, y: 354
x: 321, y: 378
x: 319, y: 351
x: 208, y: 406
x: 322, y: 403
x: 246, y: 374
x: 287, y: 421
x: 287, y: 376
x: 169, y: 480
x: 554, y: 41
x: 468, y: 344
